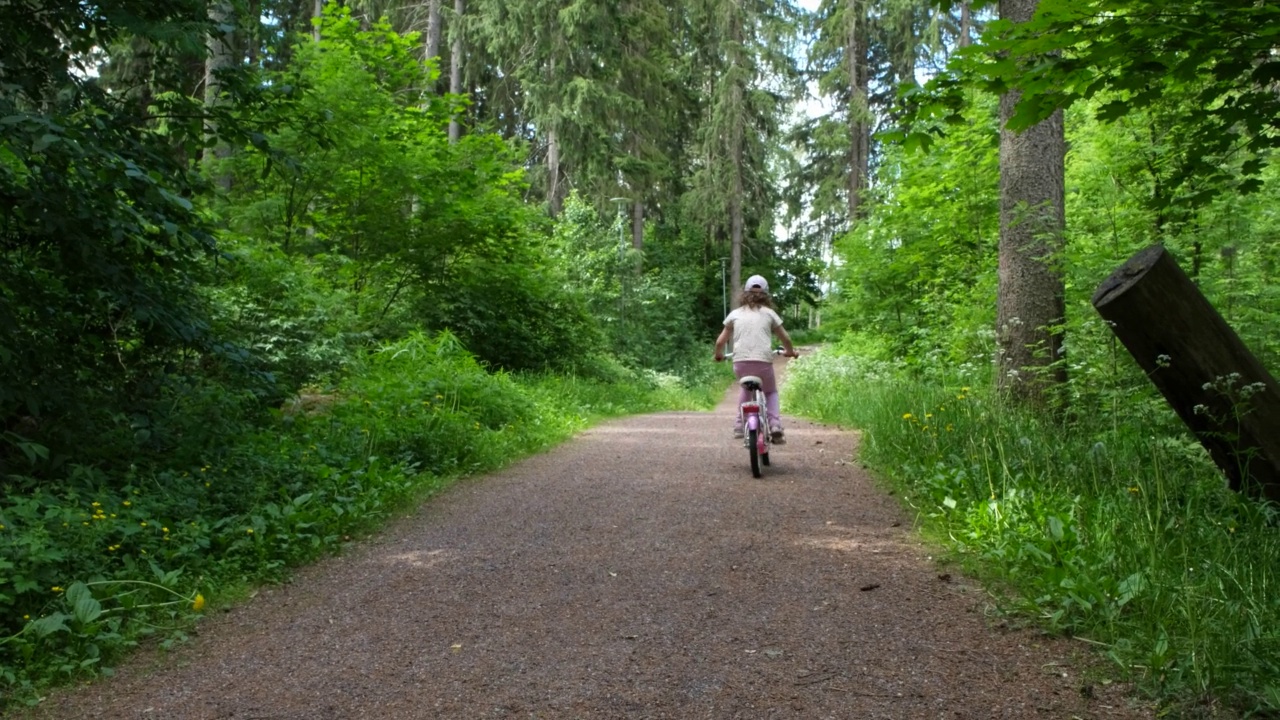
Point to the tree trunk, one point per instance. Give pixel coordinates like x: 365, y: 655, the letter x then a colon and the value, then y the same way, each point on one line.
x: 455, y: 66
x: 317, y: 13
x: 965, y: 24
x: 737, y: 154
x: 555, y: 197
x: 1219, y: 389
x: 856, y: 58
x: 637, y: 224
x: 1030, y: 304
x: 433, y: 29
x: 221, y: 48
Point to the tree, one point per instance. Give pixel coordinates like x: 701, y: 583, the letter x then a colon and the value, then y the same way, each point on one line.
x: 745, y: 77
x: 1030, y: 306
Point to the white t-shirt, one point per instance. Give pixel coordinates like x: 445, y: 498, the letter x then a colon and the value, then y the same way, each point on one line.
x: 753, y: 333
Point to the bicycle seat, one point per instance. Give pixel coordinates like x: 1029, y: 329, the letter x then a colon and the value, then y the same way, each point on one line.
x: 749, y: 380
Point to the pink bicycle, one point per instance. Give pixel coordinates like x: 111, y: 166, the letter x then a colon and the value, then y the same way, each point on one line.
x: 755, y: 424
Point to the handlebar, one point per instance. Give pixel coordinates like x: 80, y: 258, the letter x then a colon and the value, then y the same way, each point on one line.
x: 777, y: 351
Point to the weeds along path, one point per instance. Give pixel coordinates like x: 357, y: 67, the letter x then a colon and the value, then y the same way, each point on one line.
x: 637, y: 571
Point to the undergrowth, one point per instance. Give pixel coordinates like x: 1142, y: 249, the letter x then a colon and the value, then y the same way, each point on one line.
x: 1117, y: 531
x: 102, y: 560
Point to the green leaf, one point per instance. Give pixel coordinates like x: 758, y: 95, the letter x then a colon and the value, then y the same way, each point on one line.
x: 1055, y: 528
x: 86, y: 607
x: 49, y: 625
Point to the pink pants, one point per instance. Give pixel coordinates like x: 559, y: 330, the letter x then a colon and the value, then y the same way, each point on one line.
x: 768, y: 383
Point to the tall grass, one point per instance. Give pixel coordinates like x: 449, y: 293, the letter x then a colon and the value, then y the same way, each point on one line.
x: 1097, y: 528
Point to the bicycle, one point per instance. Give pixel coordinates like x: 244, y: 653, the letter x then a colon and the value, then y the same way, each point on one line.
x: 755, y: 424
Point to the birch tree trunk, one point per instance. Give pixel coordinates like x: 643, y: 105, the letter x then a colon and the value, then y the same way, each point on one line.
x: 966, y: 21
x: 1030, y: 306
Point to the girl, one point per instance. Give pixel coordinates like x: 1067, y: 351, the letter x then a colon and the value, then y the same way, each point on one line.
x: 752, y: 325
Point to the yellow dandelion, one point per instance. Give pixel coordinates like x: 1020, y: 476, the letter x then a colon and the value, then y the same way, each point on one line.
x: 928, y: 415
x: 960, y: 397
x: 56, y: 588
x: 249, y: 531
x: 164, y: 529
x: 198, y: 603
x: 906, y: 416
x: 127, y: 503
x: 26, y: 617
x: 1135, y: 490
x: 964, y: 389
x: 143, y: 524
x: 95, y: 504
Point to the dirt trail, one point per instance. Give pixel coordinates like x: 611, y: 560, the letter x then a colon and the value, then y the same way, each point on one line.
x: 637, y: 571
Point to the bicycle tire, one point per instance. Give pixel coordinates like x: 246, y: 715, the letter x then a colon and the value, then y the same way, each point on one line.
x: 755, y: 455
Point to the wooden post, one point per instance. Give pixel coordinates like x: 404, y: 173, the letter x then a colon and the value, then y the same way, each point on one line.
x: 1199, y: 364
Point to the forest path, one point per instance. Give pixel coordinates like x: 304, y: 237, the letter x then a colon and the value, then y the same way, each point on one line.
x: 638, y: 571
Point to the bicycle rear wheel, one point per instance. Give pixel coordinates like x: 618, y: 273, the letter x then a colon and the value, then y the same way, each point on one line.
x: 754, y: 451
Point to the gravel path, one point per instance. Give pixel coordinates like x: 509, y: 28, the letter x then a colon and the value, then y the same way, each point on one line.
x: 637, y: 571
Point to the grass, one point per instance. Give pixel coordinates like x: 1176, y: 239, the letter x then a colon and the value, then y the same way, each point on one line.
x: 1119, y: 532
x: 102, y: 560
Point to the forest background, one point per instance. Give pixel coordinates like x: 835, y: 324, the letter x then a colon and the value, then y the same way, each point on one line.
x: 273, y: 269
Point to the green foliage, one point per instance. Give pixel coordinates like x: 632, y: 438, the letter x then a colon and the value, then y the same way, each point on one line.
x: 1118, y: 532
x: 98, y: 252
x: 650, y: 318
x: 363, y: 222
x: 919, y: 269
x: 94, y: 565
x: 1213, y: 55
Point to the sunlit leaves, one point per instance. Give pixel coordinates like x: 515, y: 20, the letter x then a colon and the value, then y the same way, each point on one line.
x: 1138, y: 52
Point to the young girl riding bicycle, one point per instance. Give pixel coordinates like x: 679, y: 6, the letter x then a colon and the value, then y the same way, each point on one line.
x: 752, y: 325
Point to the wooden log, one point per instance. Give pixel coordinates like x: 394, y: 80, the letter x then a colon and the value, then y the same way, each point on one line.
x: 1215, y: 384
